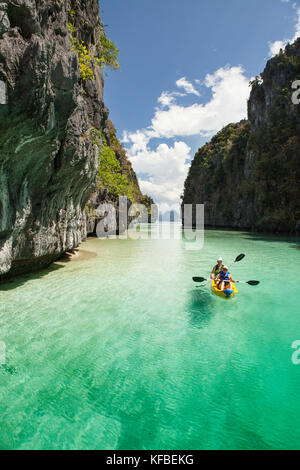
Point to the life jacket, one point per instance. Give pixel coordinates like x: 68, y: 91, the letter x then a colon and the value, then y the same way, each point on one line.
x: 217, y: 270
x: 225, y: 277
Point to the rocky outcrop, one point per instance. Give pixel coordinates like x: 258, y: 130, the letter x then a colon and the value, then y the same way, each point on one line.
x: 118, y: 200
x: 51, y: 111
x: 48, y: 160
x: 248, y: 176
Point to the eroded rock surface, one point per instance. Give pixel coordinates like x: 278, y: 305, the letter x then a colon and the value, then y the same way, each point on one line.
x: 48, y: 159
x: 248, y: 176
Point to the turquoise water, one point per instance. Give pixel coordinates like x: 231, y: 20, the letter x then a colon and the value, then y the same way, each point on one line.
x: 117, y: 349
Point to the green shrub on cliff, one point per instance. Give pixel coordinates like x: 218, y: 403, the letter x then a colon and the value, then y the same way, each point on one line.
x: 103, y: 54
x: 147, y: 201
x: 110, y: 173
x: 107, y: 51
x: 86, y: 61
x: 133, y: 184
x: 116, y: 175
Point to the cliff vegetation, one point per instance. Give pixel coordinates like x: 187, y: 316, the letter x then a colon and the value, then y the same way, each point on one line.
x: 59, y: 152
x: 248, y: 176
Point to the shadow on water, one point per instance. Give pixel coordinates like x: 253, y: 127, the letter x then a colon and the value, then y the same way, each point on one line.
x: 275, y: 238
x: 258, y: 237
x: 200, y: 307
x: 63, y: 261
x: 13, y: 283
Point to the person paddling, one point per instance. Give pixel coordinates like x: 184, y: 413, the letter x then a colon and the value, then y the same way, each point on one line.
x: 224, y: 279
x: 217, y: 269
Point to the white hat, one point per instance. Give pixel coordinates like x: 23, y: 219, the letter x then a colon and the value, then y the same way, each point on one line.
x: 220, y: 259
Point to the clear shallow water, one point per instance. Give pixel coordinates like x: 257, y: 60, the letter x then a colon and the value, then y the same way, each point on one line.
x: 117, y: 349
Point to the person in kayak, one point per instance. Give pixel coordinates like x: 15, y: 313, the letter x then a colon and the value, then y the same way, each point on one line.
x: 224, y: 279
x: 217, y: 269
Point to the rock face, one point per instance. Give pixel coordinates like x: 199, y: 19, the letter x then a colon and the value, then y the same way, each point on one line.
x: 48, y: 161
x: 53, y: 106
x: 106, y: 212
x: 248, y: 176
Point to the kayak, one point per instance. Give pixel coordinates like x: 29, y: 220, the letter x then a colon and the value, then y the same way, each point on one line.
x: 225, y: 294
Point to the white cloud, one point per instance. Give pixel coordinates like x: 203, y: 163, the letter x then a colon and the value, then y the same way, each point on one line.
x: 274, y: 47
x: 162, y: 171
x: 138, y: 140
x: 230, y: 91
x: 166, y: 99
x: 187, y: 86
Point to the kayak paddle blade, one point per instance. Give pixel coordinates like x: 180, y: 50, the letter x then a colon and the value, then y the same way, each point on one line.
x: 199, y: 279
x: 239, y: 258
x: 253, y: 283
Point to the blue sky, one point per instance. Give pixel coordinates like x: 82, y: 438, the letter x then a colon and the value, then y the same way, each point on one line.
x: 185, y: 68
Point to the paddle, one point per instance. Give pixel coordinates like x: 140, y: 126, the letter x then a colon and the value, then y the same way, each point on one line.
x: 251, y: 283
x: 202, y: 279
x: 239, y: 258
x: 199, y: 279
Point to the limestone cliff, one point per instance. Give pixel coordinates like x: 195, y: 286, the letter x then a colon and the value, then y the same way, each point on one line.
x: 115, y: 178
x: 48, y: 161
x: 248, y: 176
x: 50, y: 68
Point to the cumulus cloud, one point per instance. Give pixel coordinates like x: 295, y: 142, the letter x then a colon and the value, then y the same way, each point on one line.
x: 162, y: 170
x: 166, y: 99
x: 230, y: 91
x: 274, y: 47
x: 187, y: 86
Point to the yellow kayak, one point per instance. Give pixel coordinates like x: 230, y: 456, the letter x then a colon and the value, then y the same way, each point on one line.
x: 225, y: 294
